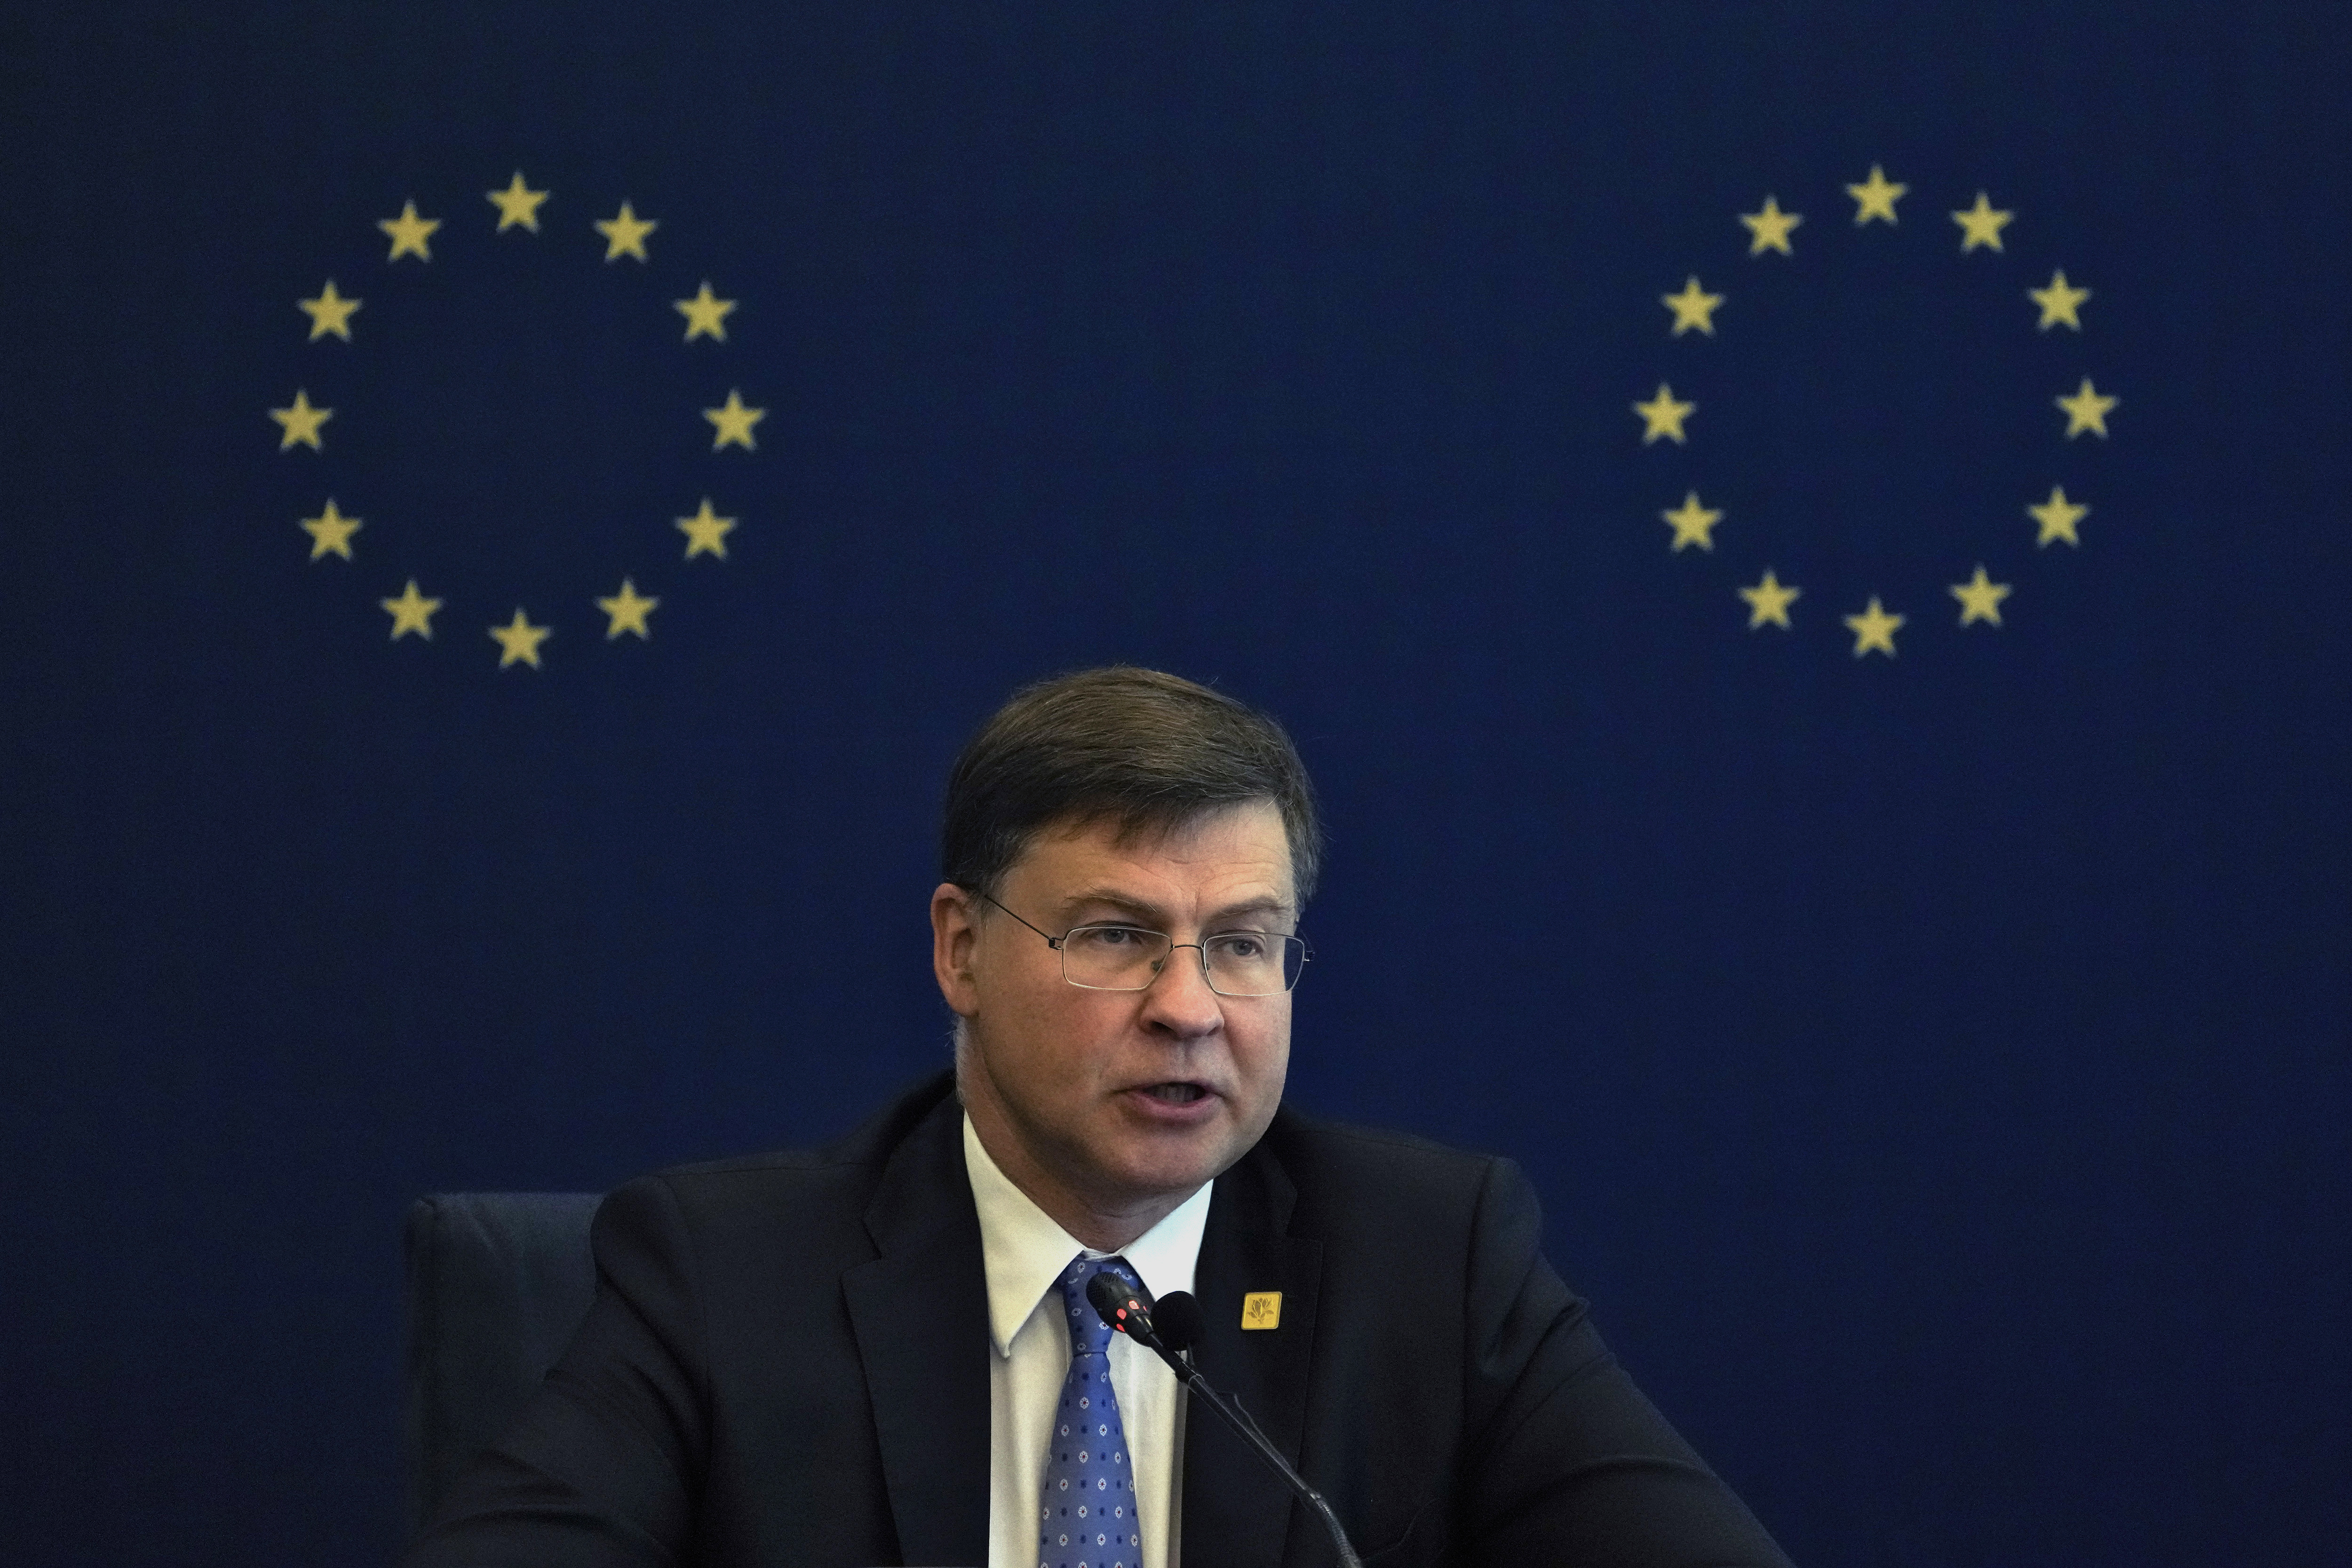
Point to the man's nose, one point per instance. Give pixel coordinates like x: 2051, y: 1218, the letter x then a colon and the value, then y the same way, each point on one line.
x: 1179, y: 999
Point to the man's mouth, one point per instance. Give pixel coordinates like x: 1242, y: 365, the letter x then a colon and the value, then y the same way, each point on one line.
x: 1175, y: 1093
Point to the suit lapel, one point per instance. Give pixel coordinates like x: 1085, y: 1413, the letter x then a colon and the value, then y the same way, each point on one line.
x: 920, y: 1315
x: 1237, y: 1511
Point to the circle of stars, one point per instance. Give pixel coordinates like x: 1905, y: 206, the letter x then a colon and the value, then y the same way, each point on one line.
x: 301, y: 423
x: 1667, y: 417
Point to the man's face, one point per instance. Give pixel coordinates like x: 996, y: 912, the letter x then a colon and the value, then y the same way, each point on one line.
x: 1122, y: 1102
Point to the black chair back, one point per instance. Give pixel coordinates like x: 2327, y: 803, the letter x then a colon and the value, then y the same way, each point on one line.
x: 496, y: 1284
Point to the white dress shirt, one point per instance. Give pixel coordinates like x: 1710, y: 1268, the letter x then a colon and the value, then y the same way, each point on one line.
x: 1026, y: 1253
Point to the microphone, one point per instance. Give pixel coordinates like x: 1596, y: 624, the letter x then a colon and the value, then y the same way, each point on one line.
x: 1124, y: 1311
x: 1178, y: 1320
x: 1175, y: 1328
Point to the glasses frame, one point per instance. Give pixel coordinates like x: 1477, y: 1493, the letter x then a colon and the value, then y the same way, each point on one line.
x: 1306, y: 953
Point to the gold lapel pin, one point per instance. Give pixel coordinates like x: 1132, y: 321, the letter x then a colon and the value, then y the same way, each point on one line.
x: 1262, y: 1309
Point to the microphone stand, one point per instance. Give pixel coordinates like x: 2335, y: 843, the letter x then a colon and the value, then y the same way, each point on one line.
x: 1129, y: 1317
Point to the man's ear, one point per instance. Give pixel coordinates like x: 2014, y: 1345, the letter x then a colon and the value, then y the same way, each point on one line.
x: 954, y: 937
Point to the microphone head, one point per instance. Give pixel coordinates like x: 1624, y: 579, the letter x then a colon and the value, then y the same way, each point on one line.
x: 1124, y: 1310
x: 1178, y: 1320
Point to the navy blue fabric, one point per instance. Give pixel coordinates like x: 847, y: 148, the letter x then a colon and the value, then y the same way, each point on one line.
x: 1933, y: 1066
x: 497, y: 1283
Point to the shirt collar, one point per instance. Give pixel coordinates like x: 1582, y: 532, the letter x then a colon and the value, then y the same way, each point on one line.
x: 1025, y: 1251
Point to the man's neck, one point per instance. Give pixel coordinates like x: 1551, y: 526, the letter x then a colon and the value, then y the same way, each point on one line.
x: 1098, y: 1225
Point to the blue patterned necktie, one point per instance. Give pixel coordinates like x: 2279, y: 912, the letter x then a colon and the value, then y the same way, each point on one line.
x: 1088, y: 1500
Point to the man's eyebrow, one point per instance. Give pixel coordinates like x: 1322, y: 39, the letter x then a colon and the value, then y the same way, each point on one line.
x: 1269, y: 907
x: 1153, y: 914
x: 1125, y: 903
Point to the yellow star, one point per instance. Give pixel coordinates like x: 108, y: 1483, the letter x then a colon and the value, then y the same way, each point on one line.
x: 2058, y: 517
x: 2059, y: 302
x: 409, y: 233
x: 706, y: 533
x: 1874, y: 628
x: 1694, y: 307
x: 1693, y: 524
x: 1769, y: 229
x: 302, y: 422
x: 1980, y: 224
x: 519, y: 640
x: 1664, y: 417
x: 626, y: 235
x: 1769, y: 602
x: 329, y: 313
x: 2086, y: 410
x: 628, y: 610
x: 1876, y: 196
x: 412, y: 612
x: 706, y: 316
x: 330, y: 530
x: 734, y: 422
x: 518, y: 204
x: 1980, y: 598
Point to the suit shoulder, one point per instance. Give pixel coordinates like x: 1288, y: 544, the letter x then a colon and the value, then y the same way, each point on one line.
x: 1371, y: 1161
x: 1390, y: 1207
x: 1300, y: 1132
x: 850, y: 1161
x: 823, y: 1157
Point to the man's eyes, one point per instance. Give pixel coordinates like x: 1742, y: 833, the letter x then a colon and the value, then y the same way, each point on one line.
x: 1114, y: 936
x: 1235, y: 943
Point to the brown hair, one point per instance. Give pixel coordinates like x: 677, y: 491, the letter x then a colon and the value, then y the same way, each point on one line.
x: 1145, y: 750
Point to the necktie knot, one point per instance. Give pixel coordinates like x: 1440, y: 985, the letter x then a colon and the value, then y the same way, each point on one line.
x: 1090, y: 1335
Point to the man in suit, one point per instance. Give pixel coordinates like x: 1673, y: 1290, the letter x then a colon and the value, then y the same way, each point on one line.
x: 879, y: 1351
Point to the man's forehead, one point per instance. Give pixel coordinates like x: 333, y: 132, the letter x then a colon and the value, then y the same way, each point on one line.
x: 1151, y: 834
x: 1242, y: 849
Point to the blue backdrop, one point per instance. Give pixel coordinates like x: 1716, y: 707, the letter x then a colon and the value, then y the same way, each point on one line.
x: 1961, y: 1004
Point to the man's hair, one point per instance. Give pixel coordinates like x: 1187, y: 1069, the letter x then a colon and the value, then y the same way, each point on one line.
x: 1144, y: 750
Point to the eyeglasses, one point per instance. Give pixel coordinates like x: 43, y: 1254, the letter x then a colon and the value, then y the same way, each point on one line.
x: 1128, y: 958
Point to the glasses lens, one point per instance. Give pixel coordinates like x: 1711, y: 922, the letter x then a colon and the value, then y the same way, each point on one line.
x: 1112, y: 958
x: 1253, y: 964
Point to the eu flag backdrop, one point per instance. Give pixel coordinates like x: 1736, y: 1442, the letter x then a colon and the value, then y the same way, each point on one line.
x: 1803, y: 544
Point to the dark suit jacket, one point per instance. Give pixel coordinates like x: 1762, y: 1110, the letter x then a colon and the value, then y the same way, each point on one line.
x: 787, y: 1365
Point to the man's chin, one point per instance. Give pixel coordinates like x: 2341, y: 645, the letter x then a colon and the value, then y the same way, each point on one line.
x: 1176, y: 1159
